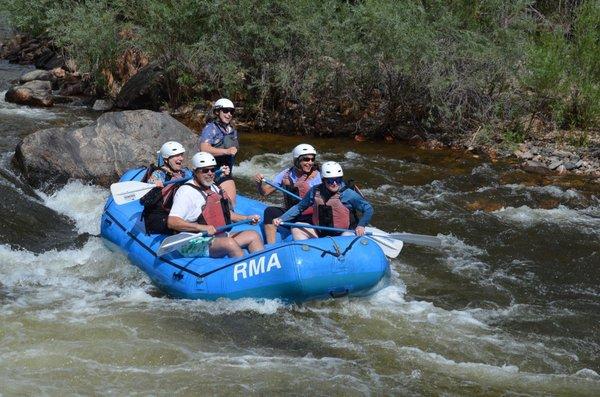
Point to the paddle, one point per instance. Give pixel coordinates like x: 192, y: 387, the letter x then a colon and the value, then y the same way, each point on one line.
x: 128, y: 191
x: 282, y: 189
x: 409, y: 238
x: 390, y: 247
x: 174, y: 242
x: 416, y: 239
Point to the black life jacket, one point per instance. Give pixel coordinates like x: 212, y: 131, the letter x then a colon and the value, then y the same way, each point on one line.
x: 157, y: 204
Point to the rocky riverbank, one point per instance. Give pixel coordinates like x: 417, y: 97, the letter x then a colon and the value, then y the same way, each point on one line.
x: 138, y: 84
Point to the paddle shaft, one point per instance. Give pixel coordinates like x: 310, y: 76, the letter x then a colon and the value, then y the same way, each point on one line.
x: 282, y: 189
x: 417, y: 239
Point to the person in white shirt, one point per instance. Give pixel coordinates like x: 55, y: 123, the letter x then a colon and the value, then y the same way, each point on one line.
x: 200, y: 206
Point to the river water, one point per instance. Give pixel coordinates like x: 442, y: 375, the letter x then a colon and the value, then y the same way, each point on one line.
x: 509, y: 305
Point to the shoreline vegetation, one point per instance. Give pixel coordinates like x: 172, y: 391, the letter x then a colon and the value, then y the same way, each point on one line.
x: 505, y: 78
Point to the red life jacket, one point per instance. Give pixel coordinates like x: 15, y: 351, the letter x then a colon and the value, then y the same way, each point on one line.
x: 330, y: 213
x: 216, y: 209
x: 300, y: 188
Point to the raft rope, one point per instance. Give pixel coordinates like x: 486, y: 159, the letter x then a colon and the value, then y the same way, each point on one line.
x: 208, y: 273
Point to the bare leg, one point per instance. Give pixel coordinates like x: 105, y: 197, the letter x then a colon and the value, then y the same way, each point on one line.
x: 250, y: 239
x: 229, y: 187
x: 302, y: 233
x: 225, y: 246
x: 270, y: 233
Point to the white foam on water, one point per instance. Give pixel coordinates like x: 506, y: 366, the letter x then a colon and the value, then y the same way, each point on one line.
x: 587, y: 221
x: 222, y: 306
x: 11, y: 109
x: 268, y: 164
x: 551, y: 190
x: 503, y: 377
x: 81, y: 202
x: 462, y: 258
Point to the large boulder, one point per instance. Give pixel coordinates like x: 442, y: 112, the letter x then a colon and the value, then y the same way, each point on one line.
x: 32, y: 93
x: 37, y: 74
x: 102, y: 151
x: 145, y: 90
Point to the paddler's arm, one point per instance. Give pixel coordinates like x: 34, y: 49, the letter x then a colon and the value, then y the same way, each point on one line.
x: 299, y: 208
x: 360, y: 204
x: 180, y: 225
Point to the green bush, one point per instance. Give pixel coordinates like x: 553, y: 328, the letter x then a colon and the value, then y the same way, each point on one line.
x: 378, y: 65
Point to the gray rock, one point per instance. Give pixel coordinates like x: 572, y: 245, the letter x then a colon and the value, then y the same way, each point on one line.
x: 535, y: 167
x: 102, y: 151
x: 555, y: 164
x: 527, y: 155
x: 561, y: 169
x: 32, y: 93
x: 36, y: 75
x: 569, y: 165
x: 102, y: 105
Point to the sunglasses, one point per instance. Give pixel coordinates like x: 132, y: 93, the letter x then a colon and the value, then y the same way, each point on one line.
x: 331, y: 181
x: 207, y: 170
x: 306, y: 159
x: 227, y: 110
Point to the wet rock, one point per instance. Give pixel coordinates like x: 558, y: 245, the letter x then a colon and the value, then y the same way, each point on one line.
x: 42, y: 75
x: 145, y: 90
x: 99, y: 152
x: 535, y: 167
x: 72, y: 89
x: 102, y: 105
x: 32, y: 93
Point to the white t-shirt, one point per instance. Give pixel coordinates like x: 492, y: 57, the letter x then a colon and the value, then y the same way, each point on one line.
x: 188, y: 203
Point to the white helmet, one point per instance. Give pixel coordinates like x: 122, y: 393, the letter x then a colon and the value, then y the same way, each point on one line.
x: 203, y: 159
x: 223, y: 103
x: 302, y: 149
x: 171, y: 148
x: 331, y: 169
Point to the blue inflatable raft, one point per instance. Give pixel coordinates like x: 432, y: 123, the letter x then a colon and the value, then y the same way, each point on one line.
x: 288, y: 270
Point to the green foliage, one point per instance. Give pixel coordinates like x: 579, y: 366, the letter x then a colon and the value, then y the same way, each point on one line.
x: 563, y: 70
x: 27, y: 16
x: 90, y: 34
x: 444, y: 65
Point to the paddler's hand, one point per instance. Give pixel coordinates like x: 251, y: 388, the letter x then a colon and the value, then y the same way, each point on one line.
x: 277, y: 221
x: 232, y: 151
x: 157, y: 182
x: 360, y: 230
x: 258, y: 178
x: 225, y: 170
x: 210, y: 229
x: 254, y: 218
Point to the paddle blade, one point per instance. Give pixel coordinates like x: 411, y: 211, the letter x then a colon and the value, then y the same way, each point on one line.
x: 390, y: 247
x: 172, y: 243
x: 126, y: 192
x: 418, y: 239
